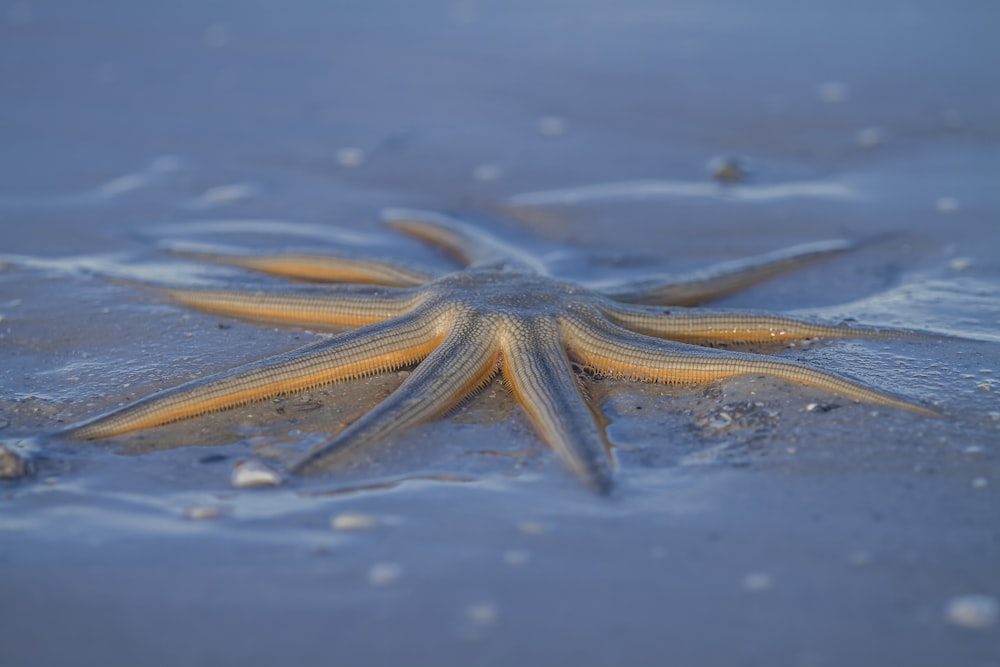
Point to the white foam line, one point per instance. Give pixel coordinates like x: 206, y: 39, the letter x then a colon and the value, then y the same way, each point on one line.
x: 657, y: 189
x: 266, y: 226
x: 145, y: 178
x: 121, y: 266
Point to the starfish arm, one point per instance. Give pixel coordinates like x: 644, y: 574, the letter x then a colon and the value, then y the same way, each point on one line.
x: 357, y: 353
x: 346, y: 307
x: 323, y: 268
x: 722, y: 279
x: 543, y: 382
x: 713, y: 326
x: 608, y: 349
x: 462, y: 241
x: 463, y: 363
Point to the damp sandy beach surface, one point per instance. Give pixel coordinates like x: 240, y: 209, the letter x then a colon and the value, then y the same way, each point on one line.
x: 753, y: 522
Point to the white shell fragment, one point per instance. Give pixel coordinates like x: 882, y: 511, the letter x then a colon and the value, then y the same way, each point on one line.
x: 249, y: 474
x: 353, y: 521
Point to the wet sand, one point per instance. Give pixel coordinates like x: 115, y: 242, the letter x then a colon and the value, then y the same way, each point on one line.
x: 753, y: 523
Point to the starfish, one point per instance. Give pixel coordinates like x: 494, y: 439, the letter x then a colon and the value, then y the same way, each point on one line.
x: 503, y: 313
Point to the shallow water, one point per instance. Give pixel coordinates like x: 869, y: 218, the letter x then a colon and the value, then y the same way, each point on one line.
x: 753, y: 522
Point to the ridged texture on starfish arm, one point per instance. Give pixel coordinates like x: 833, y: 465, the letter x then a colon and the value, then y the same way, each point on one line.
x: 502, y: 313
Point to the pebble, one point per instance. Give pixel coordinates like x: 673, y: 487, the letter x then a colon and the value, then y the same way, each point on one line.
x: 972, y: 611
x: 384, y: 574
x: 250, y: 474
x: 353, y: 521
x: 202, y: 512
x: 12, y: 466
x: 728, y: 168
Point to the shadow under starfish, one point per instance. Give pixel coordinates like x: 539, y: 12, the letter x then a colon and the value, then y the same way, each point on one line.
x: 503, y: 313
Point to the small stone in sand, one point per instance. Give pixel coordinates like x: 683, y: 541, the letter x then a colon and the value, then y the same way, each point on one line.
x: 202, y: 512
x: 249, y: 474
x: 972, y: 611
x: 729, y: 168
x: 12, y: 466
x: 353, y: 521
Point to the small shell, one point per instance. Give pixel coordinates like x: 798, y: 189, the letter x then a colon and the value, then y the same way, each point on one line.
x: 248, y: 474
